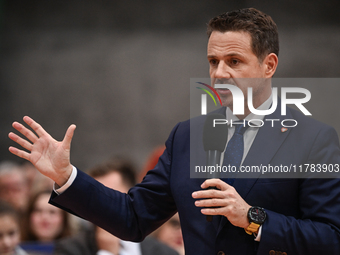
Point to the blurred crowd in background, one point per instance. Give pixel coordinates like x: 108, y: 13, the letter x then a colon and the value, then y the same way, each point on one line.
x: 106, y: 66
x: 30, y: 225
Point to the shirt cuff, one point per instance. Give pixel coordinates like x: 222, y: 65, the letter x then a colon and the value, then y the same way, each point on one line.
x: 103, y: 252
x: 258, y: 236
x: 59, y: 190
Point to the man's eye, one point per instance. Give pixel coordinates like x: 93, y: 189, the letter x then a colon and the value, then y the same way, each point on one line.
x: 234, y: 61
x: 213, y: 62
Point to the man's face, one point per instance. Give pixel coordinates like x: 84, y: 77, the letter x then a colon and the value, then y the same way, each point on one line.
x: 230, y: 57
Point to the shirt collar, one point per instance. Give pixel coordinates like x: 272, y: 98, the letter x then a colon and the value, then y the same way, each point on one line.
x: 265, y: 106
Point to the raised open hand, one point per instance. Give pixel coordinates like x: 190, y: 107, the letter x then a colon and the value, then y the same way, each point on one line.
x: 50, y: 157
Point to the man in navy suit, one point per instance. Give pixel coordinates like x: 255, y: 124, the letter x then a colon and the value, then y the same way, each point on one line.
x: 251, y: 216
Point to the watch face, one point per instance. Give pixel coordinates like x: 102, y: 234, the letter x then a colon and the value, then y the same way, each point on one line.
x: 257, y: 215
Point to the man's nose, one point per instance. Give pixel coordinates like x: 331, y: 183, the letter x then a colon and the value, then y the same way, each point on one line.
x: 222, y: 70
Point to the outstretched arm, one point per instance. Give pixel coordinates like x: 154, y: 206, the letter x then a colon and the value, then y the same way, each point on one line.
x: 50, y: 157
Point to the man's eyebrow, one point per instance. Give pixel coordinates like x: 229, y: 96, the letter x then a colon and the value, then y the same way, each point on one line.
x: 227, y: 55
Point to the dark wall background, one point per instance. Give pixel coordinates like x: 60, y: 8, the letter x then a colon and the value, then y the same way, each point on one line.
x: 120, y: 70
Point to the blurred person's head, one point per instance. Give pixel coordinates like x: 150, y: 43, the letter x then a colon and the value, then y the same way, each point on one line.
x: 118, y: 174
x: 45, y: 222
x: 9, y: 229
x: 36, y: 181
x: 13, y: 185
x: 170, y: 233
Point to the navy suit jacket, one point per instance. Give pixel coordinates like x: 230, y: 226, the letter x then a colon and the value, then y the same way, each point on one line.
x: 303, y: 215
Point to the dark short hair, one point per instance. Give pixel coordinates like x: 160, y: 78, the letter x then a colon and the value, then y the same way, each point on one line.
x: 120, y: 165
x: 260, y: 26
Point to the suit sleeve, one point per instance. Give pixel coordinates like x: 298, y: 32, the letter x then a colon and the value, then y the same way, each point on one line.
x: 129, y: 216
x: 317, y: 230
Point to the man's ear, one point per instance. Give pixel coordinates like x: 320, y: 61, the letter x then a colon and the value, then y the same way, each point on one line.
x: 270, y: 63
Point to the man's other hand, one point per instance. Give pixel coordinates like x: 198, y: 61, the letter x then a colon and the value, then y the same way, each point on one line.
x: 50, y: 157
x: 222, y: 201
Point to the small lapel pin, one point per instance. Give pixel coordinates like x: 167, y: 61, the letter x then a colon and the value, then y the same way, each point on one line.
x: 284, y: 129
